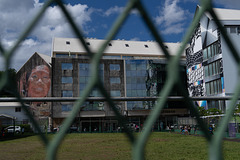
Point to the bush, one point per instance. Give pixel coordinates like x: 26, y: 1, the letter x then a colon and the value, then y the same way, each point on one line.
x: 27, y: 128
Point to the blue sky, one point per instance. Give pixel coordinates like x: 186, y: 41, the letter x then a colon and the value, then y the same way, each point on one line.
x: 95, y: 18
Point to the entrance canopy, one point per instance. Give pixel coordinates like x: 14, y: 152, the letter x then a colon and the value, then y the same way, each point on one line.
x: 7, y: 116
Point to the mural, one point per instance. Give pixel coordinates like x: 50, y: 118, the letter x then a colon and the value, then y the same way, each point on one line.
x: 204, y: 45
x: 35, y: 83
x: 34, y: 80
x: 195, y: 69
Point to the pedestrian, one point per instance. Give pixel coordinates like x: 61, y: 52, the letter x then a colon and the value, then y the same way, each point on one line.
x: 195, y: 129
x: 22, y: 130
x: 186, y: 129
x: 210, y: 129
x: 189, y: 129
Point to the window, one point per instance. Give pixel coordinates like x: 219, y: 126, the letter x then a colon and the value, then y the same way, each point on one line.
x: 205, y: 54
x: 88, y: 43
x: 109, y: 44
x: 18, y: 109
x: 212, y: 69
x: 67, y: 107
x: 67, y: 94
x: 115, y: 80
x: 206, y: 71
x: 114, y: 67
x: 115, y: 93
x: 67, y: 80
x: 84, y: 70
x: 238, y: 29
x: 214, y: 87
x: 68, y: 42
x: 210, y: 51
x: 126, y: 45
x: 146, y: 46
x: 67, y: 66
x: 233, y: 30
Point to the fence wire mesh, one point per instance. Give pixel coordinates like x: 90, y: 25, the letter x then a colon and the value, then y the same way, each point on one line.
x: 138, y: 143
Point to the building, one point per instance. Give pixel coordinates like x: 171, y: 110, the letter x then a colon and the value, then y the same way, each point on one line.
x: 34, y: 80
x: 128, y: 69
x: 211, y: 69
x: 12, y: 113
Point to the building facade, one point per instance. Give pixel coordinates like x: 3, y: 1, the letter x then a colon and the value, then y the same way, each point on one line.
x: 211, y: 70
x: 34, y: 79
x: 127, y: 69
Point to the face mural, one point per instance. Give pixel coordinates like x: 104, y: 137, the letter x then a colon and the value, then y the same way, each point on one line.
x: 38, y: 83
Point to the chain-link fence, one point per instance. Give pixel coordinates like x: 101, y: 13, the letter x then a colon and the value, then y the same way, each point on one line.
x: 138, y: 143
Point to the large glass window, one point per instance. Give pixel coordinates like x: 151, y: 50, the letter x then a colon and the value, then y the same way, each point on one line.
x: 67, y: 93
x: 210, y: 51
x: 135, y: 78
x: 213, y: 87
x: 212, y: 68
x: 136, y: 75
x: 115, y: 80
x: 115, y: 67
x: 84, y: 77
x: 67, y: 66
x: 67, y: 107
x: 115, y: 93
x: 205, y: 56
x: 67, y: 80
x: 206, y: 71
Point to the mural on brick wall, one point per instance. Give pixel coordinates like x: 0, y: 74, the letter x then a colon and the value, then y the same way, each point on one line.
x: 35, y: 83
x: 34, y: 80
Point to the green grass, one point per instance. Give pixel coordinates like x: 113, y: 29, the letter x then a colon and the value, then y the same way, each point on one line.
x: 108, y: 146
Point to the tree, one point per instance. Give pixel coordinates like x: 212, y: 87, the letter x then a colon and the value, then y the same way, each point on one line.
x: 9, y: 89
x: 214, y: 111
x: 202, y: 111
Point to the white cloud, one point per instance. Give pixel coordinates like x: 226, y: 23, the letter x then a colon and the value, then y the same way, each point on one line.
x: 171, y: 17
x: 16, y: 15
x: 135, y: 39
x: 114, y: 10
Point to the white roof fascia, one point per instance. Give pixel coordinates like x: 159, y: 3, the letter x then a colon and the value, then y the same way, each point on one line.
x: 118, y: 47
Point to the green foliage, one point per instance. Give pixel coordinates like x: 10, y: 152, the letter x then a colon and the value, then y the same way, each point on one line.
x: 237, y: 109
x: 202, y: 111
x: 27, y: 128
x: 210, y: 111
x: 214, y: 111
x: 8, y: 90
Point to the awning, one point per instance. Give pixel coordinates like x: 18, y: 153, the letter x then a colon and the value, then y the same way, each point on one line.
x: 7, y: 116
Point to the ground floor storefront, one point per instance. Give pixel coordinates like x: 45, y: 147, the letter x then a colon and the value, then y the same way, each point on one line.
x: 111, y: 124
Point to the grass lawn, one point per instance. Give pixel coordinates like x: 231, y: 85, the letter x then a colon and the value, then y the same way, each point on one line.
x: 108, y: 146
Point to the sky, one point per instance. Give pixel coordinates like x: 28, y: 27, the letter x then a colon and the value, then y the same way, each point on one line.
x: 95, y: 18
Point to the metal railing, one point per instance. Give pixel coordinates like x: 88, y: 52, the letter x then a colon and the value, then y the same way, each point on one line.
x: 138, y: 143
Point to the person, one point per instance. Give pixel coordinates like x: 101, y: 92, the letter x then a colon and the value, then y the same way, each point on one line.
x: 195, y: 129
x: 210, y: 129
x: 22, y: 130
x: 186, y: 129
x: 39, y: 82
x: 189, y: 129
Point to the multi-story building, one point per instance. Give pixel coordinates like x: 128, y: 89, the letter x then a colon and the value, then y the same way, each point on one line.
x: 211, y: 69
x: 127, y: 69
